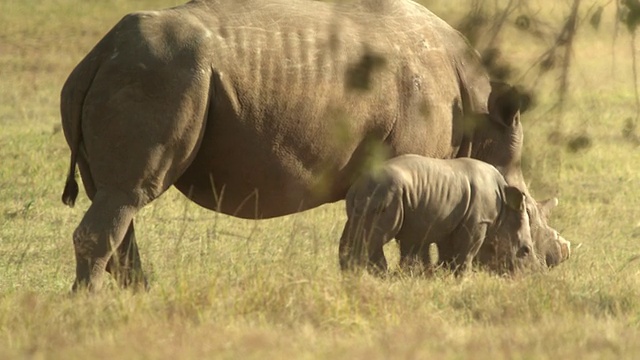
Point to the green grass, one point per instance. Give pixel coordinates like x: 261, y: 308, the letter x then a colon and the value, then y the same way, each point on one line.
x: 229, y: 288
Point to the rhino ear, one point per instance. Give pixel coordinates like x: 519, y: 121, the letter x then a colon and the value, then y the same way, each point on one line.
x: 504, y: 103
x: 514, y: 198
x: 547, y: 205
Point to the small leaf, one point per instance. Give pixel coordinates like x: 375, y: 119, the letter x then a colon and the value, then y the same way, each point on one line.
x: 629, y: 128
x: 630, y: 14
x: 359, y: 75
x: 596, y: 17
x: 490, y: 56
x: 523, y: 22
x: 578, y: 143
x: 471, y: 26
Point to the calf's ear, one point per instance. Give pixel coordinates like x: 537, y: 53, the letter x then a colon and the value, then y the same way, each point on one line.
x: 514, y: 198
x: 547, y: 205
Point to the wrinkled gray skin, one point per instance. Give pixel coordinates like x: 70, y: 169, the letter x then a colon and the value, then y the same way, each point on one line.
x: 459, y: 204
x: 263, y: 108
x: 553, y: 248
x: 550, y: 252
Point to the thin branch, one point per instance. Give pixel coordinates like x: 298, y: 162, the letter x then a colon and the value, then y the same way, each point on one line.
x: 616, y: 26
x: 635, y: 73
x: 501, y: 20
x: 569, y: 31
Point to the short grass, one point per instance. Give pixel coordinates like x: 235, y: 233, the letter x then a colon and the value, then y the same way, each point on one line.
x: 228, y: 288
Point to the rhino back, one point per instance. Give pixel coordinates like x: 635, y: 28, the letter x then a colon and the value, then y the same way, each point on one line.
x: 310, y: 60
x: 486, y: 186
x: 436, y: 196
x: 443, y: 194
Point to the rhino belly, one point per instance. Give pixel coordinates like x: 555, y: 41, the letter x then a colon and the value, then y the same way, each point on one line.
x: 249, y: 172
x: 242, y: 172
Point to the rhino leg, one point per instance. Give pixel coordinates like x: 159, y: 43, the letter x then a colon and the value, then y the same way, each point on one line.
x: 465, y: 244
x: 414, y: 253
x: 361, y: 247
x: 409, y: 253
x: 106, y: 232
x: 446, y: 255
x: 363, y: 239
x: 100, y: 232
x: 351, y: 251
x: 141, y: 131
x: 374, y: 218
x: 125, y: 264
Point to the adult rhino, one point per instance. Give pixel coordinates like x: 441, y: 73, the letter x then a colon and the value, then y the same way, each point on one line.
x: 263, y: 108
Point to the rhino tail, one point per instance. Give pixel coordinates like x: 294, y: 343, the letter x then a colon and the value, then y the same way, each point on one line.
x: 70, y: 192
x: 71, y: 103
x: 72, y: 99
x: 71, y: 119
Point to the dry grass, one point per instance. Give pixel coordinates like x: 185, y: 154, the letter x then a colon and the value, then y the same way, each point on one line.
x: 229, y: 288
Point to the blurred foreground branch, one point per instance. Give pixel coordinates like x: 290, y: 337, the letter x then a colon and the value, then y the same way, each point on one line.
x: 486, y: 20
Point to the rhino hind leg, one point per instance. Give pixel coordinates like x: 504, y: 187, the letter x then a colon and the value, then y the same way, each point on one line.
x: 353, y: 251
x: 125, y: 264
x: 362, y: 241
x: 100, y: 232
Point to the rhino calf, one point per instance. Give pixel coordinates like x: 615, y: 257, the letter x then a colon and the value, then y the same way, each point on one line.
x: 458, y: 204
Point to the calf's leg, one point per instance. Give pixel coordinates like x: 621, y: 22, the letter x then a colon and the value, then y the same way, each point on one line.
x: 466, y: 242
x: 364, y: 236
x: 414, y: 253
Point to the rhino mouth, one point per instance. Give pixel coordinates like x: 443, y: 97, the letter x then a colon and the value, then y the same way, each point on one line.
x: 558, y: 251
x: 565, y: 248
x: 523, y: 252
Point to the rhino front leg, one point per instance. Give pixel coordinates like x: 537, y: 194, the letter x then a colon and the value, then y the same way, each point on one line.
x: 125, y: 264
x: 446, y: 254
x: 409, y: 254
x: 465, y: 244
x: 414, y: 253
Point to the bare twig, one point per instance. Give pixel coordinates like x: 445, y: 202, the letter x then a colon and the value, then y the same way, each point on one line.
x: 616, y: 26
x: 497, y: 27
x: 635, y: 73
x: 566, y: 37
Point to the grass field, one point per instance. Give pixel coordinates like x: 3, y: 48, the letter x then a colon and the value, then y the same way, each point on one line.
x: 228, y: 288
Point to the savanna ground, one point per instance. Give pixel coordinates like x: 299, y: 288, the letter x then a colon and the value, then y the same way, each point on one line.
x: 229, y: 288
